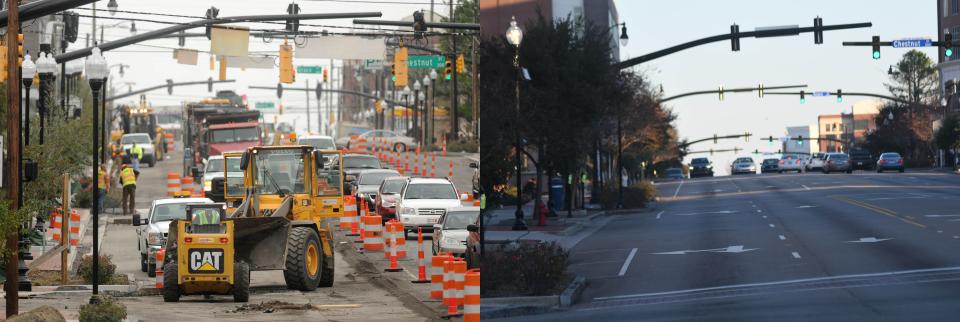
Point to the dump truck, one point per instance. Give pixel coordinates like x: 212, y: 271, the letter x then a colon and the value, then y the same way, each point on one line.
x: 289, y: 194
x: 201, y: 258
x: 214, y: 126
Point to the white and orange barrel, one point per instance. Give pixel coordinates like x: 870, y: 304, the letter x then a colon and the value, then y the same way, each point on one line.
x: 173, y: 183
x: 471, y: 296
x: 373, y: 233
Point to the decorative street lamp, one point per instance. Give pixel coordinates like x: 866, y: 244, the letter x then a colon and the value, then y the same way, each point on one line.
x: 425, y: 141
x: 46, y: 67
x: 406, y: 106
x: 514, y: 37
x: 623, y: 35
x: 433, y: 97
x: 416, y: 106
x: 112, y: 6
x: 96, y: 70
x: 27, y: 70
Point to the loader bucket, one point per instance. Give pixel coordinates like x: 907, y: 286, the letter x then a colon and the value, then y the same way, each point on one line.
x: 261, y: 241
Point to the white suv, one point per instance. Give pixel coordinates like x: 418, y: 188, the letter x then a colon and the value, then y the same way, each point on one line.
x: 152, y: 231
x: 423, y: 201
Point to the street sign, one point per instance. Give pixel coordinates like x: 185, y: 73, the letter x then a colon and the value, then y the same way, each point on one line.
x: 431, y: 61
x: 913, y: 42
x: 309, y: 69
x: 820, y: 93
x: 372, y: 63
x: 264, y: 105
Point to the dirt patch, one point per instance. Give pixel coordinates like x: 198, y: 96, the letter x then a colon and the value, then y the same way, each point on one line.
x: 51, y: 278
x: 272, y: 306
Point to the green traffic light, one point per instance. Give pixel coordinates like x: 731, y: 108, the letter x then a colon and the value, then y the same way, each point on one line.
x: 447, y: 77
x: 876, y: 54
x: 948, y: 52
x: 839, y: 99
x: 803, y: 100
x: 394, y: 78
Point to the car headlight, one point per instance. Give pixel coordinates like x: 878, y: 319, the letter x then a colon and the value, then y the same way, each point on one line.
x: 447, y: 241
x: 207, y: 185
x: 154, y: 238
x: 407, y: 211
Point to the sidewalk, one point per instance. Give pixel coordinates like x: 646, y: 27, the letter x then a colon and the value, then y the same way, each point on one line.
x: 52, y: 263
x: 567, y: 231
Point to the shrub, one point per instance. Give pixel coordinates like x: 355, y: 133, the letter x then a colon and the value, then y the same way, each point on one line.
x: 103, y: 308
x: 634, y: 196
x: 466, y: 146
x: 106, y: 269
x: 542, y: 270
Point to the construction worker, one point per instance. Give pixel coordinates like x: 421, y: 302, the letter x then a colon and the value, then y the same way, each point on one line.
x: 136, y: 153
x: 161, y: 145
x: 103, y: 184
x: 128, y: 178
x: 205, y: 216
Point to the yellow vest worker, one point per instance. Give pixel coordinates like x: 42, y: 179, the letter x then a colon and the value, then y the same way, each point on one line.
x: 102, y: 179
x: 137, y: 151
x: 128, y: 178
x: 205, y: 217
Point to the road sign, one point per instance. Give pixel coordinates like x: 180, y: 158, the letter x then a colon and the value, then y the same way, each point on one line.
x: 431, y: 61
x: 913, y: 42
x: 264, y: 105
x: 820, y: 93
x: 309, y: 69
x: 372, y: 63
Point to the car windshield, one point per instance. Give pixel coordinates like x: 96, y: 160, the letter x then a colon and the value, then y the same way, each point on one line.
x: 700, y: 161
x: 167, y: 212
x: 280, y: 170
x: 375, y: 178
x: 839, y: 157
x: 674, y: 171
x: 770, y: 161
x: 234, y: 183
x: 430, y: 191
x: 392, y: 186
x: 744, y: 160
x: 890, y: 156
x: 360, y: 162
x: 138, y: 139
x: 213, y: 166
x: 459, y: 219
x: 319, y: 143
x: 245, y: 134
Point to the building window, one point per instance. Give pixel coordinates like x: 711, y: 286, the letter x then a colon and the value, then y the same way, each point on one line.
x: 954, y: 7
x: 860, y: 125
x: 956, y: 32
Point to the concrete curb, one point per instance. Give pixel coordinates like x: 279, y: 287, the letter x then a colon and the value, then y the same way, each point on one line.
x: 572, y: 293
x: 528, y: 301
x: 502, y: 307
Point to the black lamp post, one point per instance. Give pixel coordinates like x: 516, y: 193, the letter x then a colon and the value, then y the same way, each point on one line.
x: 28, y: 69
x: 96, y: 70
x: 514, y: 37
x: 46, y: 66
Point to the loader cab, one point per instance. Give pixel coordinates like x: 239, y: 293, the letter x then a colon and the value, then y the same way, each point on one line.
x: 206, y: 218
x: 233, y: 180
x: 329, y: 187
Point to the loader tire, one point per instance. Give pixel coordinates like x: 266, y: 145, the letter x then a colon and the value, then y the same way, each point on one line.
x: 171, y: 290
x: 326, y: 268
x: 241, y: 282
x: 297, y: 274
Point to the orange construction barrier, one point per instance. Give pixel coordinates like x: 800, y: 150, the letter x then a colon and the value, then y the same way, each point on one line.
x: 363, y: 226
x: 349, y: 217
x: 437, y: 275
x: 421, y: 265
x: 471, y: 296
x: 186, y: 184
x: 392, y: 251
x: 169, y: 137
x: 396, y: 239
x: 173, y: 183
x: 373, y: 235
x: 56, y: 222
x: 74, y: 228
x: 159, y: 261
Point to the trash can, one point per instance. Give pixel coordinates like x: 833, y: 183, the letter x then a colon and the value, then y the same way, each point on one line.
x: 556, y: 193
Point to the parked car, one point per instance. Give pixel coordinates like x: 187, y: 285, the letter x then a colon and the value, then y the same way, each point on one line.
x: 450, y: 232
x: 142, y: 140
x: 318, y: 142
x: 743, y: 165
x: 860, y: 159
x: 353, y: 164
x: 770, y: 165
x: 368, y: 184
x: 815, y: 162
x: 387, y: 197
x: 674, y: 174
x: 472, y: 254
x: 837, y: 162
x: 399, y: 142
x: 423, y: 201
x: 701, y: 167
x: 890, y: 161
x: 152, y: 231
x: 790, y: 163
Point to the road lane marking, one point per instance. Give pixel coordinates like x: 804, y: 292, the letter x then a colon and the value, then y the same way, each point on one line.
x: 806, y: 206
x: 796, y: 255
x: 938, y: 216
x: 626, y: 263
x: 708, y: 213
x: 782, y: 238
x: 675, y: 193
x: 758, y: 210
x: 772, y: 226
x: 728, y: 249
x: 868, y: 240
x: 879, y: 210
x: 658, y: 214
x: 836, y: 187
x: 805, y: 187
x: 764, y: 216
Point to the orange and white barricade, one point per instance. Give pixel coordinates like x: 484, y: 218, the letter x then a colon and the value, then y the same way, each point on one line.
x: 173, y: 184
x: 395, y: 238
x: 437, y: 275
x: 74, y: 228
x: 373, y: 233
x: 56, y: 222
x: 450, y: 174
x: 349, y: 217
x: 392, y: 247
x: 186, y: 185
x: 169, y: 137
x: 159, y: 261
x: 471, y: 296
x: 421, y: 264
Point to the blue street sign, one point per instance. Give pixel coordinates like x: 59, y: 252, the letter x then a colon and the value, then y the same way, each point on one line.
x: 820, y: 93
x: 917, y: 42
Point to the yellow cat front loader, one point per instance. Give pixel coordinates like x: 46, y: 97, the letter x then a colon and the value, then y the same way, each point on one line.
x: 289, y: 194
x: 200, y: 257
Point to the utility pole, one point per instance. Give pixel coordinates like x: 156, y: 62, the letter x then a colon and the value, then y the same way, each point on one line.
x: 476, y: 90
x: 306, y: 84
x: 13, y: 141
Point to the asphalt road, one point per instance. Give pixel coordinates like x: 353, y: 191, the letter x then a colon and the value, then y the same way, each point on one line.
x: 845, y: 247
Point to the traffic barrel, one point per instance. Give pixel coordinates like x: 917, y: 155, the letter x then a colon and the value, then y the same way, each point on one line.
x: 459, y: 272
x: 437, y: 274
x: 373, y: 233
x: 421, y: 265
x: 186, y: 183
x: 471, y: 296
x: 450, y: 174
x: 363, y: 226
x: 392, y: 234
x: 396, y: 239
x: 433, y: 166
x: 74, y: 228
x: 173, y: 183
x: 56, y: 222
x: 159, y: 270
x: 349, y: 217
x: 169, y: 137
x: 450, y: 286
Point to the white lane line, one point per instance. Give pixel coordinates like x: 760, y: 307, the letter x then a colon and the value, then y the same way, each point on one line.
x: 782, y: 238
x: 658, y: 217
x: 758, y: 210
x: 626, y: 264
x: 772, y: 226
x: 805, y: 187
x: 675, y: 193
x: 764, y: 216
x: 796, y: 255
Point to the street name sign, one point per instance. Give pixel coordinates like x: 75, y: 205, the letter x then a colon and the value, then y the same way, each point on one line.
x: 264, y: 105
x: 913, y: 42
x: 820, y: 93
x: 426, y: 61
x: 307, y: 69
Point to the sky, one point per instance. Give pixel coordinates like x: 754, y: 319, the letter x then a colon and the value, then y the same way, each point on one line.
x: 792, y: 60
x: 151, y: 66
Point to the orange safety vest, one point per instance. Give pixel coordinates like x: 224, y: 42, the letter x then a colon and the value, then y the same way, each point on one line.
x: 128, y: 177
x: 102, y: 180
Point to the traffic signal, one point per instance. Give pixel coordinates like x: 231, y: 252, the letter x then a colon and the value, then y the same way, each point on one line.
x: 181, y: 38
x: 948, y: 44
x: 223, y: 67
x: 770, y: 140
x: 293, y: 25
x: 210, y: 84
x: 71, y: 23
x: 393, y: 72
x: 19, y: 49
x: 448, y: 69
x: 760, y: 90
x: 720, y: 92
x: 211, y: 14
x: 876, y: 47
x: 735, y: 40
x: 325, y: 75
x: 461, y: 66
x: 714, y: 139
x: 319, y: 90
x: 800, y: 140
x: 400, y: 60
x: 839, y: 96
x: 817, y: 30
x: 3, y: 63
x: 280, y: 108
x: 287, y: 74
x: 169, y: 86
x: 279, y: 90
x: 803, y: 97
